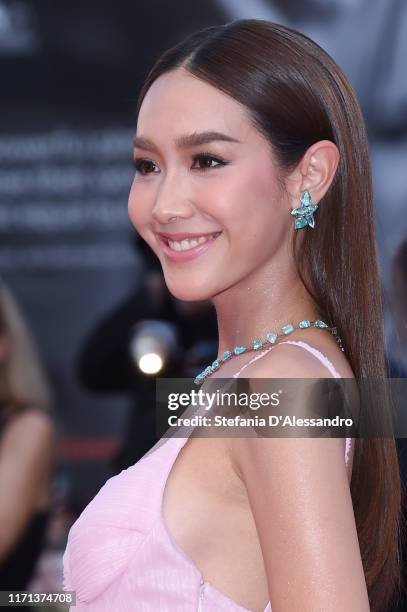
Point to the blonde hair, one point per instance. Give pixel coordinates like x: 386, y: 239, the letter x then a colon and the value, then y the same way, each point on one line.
x: 23, y: 381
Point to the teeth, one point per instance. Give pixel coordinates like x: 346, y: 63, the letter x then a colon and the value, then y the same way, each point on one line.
x: 185, y: 245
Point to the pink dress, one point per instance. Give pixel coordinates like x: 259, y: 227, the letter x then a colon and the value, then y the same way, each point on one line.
x: 120, y: 556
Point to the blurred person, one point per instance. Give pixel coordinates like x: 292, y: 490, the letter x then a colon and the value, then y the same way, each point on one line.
x: 240, y: 128
x: 26, y: 448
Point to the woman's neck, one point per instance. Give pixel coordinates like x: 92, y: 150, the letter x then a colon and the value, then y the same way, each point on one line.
x: 250, y: 310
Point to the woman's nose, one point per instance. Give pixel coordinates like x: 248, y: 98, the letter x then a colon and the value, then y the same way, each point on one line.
x: 170, y: 204
x: 162, y: 216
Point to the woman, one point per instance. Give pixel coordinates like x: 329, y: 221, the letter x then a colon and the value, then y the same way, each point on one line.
x: 238, y: 127
x: 26, y: 448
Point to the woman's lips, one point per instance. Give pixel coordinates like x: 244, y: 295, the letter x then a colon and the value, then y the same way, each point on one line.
x: 188, y: 254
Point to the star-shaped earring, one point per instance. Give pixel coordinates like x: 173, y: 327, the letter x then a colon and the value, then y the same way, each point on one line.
x: 305, y: 213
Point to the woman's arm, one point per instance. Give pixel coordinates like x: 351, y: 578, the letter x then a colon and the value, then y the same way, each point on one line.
x: 26, y: 458
x: 300, y: 498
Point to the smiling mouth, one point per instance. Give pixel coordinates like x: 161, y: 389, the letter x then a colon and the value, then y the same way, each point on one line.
x: 188, y: 244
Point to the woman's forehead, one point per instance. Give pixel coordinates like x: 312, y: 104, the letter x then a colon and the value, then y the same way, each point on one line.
x: 183, y: 102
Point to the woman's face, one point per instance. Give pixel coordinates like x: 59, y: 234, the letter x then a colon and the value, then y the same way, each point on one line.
x: 226, y: 185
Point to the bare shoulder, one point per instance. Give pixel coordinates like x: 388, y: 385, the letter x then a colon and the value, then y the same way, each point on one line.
x: 31, y: 428
x: 293, y: 362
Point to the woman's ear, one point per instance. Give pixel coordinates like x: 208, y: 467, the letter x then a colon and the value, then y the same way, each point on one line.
x: 316, y: 171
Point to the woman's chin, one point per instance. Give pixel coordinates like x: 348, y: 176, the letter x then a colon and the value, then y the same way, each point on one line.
x: 189, y: 293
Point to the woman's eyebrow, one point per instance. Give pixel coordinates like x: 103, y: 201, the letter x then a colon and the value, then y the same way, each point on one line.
x: 186, y: 140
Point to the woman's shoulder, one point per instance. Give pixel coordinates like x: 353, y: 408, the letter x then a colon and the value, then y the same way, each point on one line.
x: 300, y: 361
x: 28, y: 416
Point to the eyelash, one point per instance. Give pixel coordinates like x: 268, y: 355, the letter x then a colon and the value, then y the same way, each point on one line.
x: 138, y: 162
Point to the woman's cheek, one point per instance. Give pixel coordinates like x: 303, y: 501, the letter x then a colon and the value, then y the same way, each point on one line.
x: 137, y: 208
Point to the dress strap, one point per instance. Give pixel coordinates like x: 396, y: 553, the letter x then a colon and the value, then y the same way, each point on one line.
x: 258, y: 356
x: 320, y: 356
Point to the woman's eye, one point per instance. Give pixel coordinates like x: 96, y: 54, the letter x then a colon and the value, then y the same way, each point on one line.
x: 143, y: 165
x: 206, y: 160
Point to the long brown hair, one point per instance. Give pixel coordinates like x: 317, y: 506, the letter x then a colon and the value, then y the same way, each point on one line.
x: 296, y: 95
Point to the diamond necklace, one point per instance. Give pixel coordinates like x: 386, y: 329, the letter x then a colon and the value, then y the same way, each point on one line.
x: 270, y: 339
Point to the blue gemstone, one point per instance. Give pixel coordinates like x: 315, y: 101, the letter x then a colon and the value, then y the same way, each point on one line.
x: 215, y: 364
x: 271, y: 337
x: 226, y: 355
x: 238, y: 350
x: 300, y: 222
x: 256, y: 344
x: 303, y: 324
x: 321, y: 324
x: 287, y: 329
x: 305, y: 198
